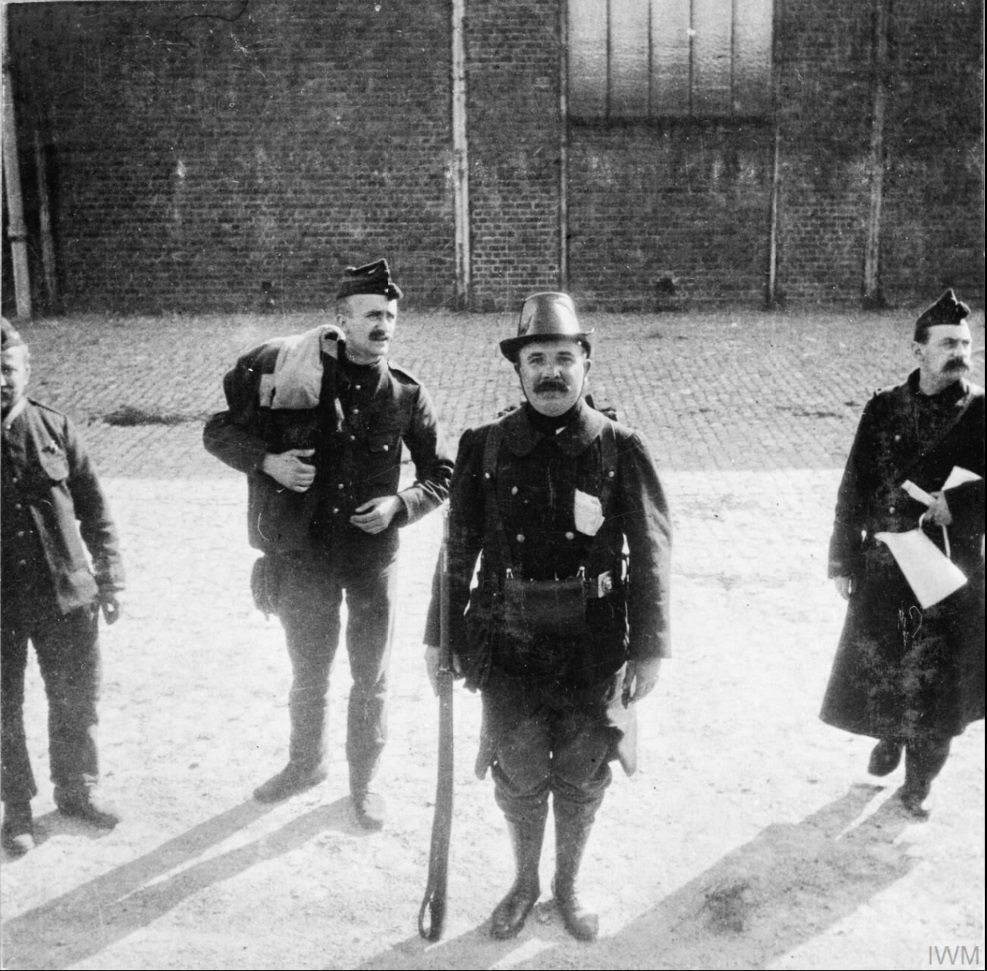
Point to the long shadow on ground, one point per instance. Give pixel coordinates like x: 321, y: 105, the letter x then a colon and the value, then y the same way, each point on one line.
x: 756, y: 904
x: 99, y: 913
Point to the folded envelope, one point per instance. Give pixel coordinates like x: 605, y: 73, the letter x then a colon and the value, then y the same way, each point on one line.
x: 932, y: 576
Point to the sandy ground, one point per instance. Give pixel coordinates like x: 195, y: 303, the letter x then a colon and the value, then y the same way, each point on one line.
x: 751, y: 837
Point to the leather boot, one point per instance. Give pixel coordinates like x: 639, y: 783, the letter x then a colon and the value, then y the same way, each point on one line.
x: 923, y: 762
x: 885, y: 756
x: 571, y: 836
x: 17, y: 831
x: 509, y: 915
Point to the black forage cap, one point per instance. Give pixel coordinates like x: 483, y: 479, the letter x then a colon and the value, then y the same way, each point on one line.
x: 370, y: 278
x: 946, y: 310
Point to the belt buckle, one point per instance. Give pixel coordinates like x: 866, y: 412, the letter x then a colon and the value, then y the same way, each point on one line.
x: 604, y: 584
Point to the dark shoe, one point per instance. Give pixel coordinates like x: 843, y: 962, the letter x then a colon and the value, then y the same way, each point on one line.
x: 371, y: 810
x: 571, y: 836
x: 579, y: 921
x: 510, y: 914
x: 17, y: 832
x: 86, y: 805
x: 911, y: 796
x: 288, y: 782
x: 885, y: 757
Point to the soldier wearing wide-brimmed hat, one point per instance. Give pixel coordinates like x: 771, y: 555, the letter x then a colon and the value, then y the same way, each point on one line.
x: 561, y: 634
x: 910, y: 675
x: 317, y: 422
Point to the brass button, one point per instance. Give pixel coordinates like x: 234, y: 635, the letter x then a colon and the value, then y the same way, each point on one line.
x: 570, y: 535
x: 520, y: 537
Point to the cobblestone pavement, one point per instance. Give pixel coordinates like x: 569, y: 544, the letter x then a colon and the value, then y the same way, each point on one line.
x: 750, y: 417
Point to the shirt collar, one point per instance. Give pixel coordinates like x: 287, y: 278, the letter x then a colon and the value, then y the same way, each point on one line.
x: 574, y: 439
x: 951, y: 394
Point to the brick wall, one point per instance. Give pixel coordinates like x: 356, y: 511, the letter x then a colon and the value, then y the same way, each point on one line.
x: 195, y: 158
x: 668, y: 216
x: 514, y: 128
x: 932, y: 228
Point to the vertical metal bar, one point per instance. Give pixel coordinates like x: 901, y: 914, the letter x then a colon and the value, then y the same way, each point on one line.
x: 872, y: 295
x: 460, y: 153
x: 564, y: 146
x: 16, y: 227
x: 44, y: 219
x: 771, y: 291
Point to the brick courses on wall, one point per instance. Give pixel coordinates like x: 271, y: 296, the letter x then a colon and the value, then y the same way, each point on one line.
x: 513, y: 74
x: 198, y: 150
x: 198, y: 157
x: 932, y: 222
x: 663, y: 217
x: 933, y: 216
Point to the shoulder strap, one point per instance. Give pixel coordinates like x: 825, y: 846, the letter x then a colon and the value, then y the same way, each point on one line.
x: 495, y: 522
x: 608, y: 463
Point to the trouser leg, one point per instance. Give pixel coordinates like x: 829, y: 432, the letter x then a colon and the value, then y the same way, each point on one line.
x: 309, y: 601
x: 16, y: 778
x: 924, y: 760
x: 580, y: 776
x: 370, y: 604
x: 522, y: 772
x: 68, y: 656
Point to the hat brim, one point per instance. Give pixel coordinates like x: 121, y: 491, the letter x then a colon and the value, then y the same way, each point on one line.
x: 511, y: 346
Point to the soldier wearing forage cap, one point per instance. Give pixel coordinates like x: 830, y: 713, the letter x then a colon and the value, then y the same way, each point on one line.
x: 563, y: 632
x: 912, y: 678
x: 317, y: 422
x: 51, y: 597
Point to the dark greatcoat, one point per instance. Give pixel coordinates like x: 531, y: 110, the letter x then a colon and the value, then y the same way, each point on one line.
x: 536, y: 479
x: 900, y: 671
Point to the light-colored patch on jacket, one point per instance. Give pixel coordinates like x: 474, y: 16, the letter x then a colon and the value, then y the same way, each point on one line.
x: 297, y: 378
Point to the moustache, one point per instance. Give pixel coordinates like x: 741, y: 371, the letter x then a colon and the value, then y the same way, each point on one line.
x: 379, y: 335
x: 551, y: 384
x: 957, y: 366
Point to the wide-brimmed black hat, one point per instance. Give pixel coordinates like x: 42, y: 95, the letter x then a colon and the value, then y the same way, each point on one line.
x: 546, y: 317
x: 947, y: 310
x: 370, y: 278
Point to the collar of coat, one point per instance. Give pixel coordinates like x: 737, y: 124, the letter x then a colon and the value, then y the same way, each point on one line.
x: 954, y: 393
x: 521, y: 437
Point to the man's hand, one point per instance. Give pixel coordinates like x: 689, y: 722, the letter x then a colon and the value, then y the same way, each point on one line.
x: 844, y: 586
x: 110, y: 607
x: 290, y: 468
x: 376, y: 515
x: 938, y: 513
x: 639, y: 678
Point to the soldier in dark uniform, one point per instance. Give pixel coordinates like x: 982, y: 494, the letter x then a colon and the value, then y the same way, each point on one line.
x: 568, y: 622
x: 317, y: 422
x: 911, y: 677
x: 51, y: 598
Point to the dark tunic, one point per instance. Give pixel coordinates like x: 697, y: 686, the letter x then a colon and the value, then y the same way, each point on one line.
x: 535, y: 483
x: 901, y: 671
